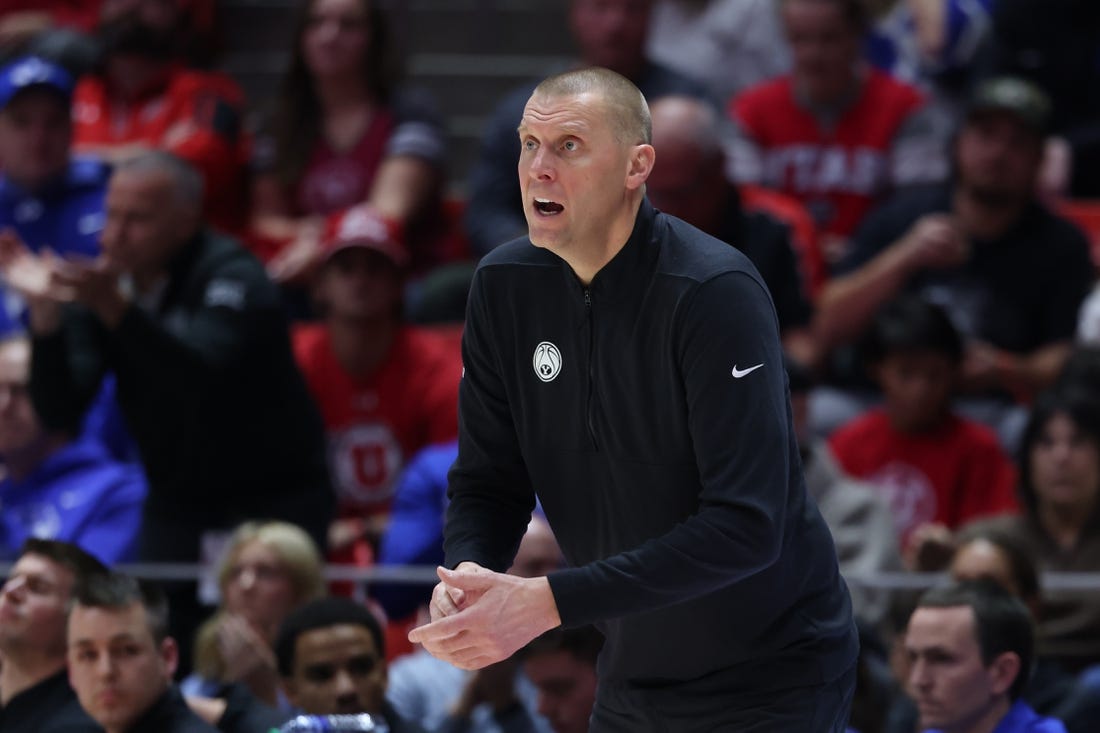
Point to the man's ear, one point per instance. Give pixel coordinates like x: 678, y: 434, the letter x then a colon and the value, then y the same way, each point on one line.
x: 170, y: 654
x: 1003, y: 671
x: 641, y: 165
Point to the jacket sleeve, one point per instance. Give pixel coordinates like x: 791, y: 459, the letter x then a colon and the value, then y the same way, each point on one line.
x: 744, y: 453
x: 490, y: 493
x: 67, y: 367
x: 237, y: 310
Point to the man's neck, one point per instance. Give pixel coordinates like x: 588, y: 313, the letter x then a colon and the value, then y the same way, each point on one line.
x: 131, y: 77
x: 987, y: 720
x: 362, y: 346
x: 982, y: 220
x: 22, y: 463
x: 20, y: 674
x: 587, y: 260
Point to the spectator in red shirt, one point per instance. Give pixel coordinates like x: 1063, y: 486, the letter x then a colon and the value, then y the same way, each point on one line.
x: 937, y: 469
x: 385, y: 389
x: 143, y: 97
x: 343, y: 133
x: 834, y: 133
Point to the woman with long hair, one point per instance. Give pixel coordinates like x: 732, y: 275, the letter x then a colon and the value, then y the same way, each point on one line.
x: 343, y: 134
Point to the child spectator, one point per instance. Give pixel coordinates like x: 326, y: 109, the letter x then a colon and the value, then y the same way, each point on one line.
x: 934, y: 466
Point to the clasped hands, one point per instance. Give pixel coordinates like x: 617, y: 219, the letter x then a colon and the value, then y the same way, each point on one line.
x: 47, y: 281
x: 480, y: 617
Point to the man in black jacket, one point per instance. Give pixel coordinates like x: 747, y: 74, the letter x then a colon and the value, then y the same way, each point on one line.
x: 194, y: 332
x: 121, y: 658
x: 626, y: 368
x: 35, y: 696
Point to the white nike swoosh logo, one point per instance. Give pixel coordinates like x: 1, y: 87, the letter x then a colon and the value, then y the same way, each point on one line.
x: 738, y: 373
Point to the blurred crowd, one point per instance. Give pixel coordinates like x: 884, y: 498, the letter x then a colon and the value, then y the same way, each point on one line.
x: 230, y: 335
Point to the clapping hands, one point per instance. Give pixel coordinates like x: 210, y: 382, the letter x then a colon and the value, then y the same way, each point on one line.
x: 47, y: 282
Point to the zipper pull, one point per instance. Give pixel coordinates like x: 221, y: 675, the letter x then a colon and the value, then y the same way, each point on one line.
x: 587, y: 298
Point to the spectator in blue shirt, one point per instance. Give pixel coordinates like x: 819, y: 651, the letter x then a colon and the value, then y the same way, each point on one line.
x: 971, y: 647
x: 48, y: 197
x: 56, y: 487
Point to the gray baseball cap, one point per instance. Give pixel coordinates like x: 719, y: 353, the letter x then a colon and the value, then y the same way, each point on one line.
x: 1020, y: 98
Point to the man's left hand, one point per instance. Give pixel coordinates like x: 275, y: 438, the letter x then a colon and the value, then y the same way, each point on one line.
x: 508, y: 611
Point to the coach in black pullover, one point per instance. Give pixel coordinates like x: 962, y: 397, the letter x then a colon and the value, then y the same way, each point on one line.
x: 642, y: 397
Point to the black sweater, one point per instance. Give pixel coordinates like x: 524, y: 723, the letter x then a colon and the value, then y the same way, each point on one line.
x: 673, y: 484
x: 209, y: 388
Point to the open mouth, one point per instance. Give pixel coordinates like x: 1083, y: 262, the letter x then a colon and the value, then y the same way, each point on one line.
x: 546, y: 207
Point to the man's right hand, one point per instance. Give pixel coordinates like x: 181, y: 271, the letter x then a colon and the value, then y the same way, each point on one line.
x: 935, y: 241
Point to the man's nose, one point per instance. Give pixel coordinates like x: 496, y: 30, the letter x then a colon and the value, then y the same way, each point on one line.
x: 14, y: 587
x: 541, y: 166
x: 105, y: 666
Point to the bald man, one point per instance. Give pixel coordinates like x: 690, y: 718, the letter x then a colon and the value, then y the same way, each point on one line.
x: 625, y: 368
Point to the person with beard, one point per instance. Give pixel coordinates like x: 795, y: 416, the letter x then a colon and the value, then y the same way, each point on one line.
x: 142, y: 97
x: 1011, y: 273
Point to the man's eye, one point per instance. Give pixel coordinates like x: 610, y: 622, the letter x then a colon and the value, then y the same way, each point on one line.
x: 529, y: 145
x: 360, y: 666
x: 570, y: 145
x: 320, y: 673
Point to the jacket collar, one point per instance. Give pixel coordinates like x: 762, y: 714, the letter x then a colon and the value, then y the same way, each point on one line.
x: 632, y: 266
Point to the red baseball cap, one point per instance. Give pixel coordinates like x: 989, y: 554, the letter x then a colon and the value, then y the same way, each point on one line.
x: 362, y: 226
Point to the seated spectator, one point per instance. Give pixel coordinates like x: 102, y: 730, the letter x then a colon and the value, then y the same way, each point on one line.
x: 121, y: 658
x: 345, y: 133
x: 934, y: 467
x: 385, y: 389
x: 971, y: 649
x: 562, y: 666
x: 730, y: 45
x: 268, y: 569
x: 608, y: 33
x: 56, y: 486
x: 333, y: 662
x: 143, y: 99
x: 984, y: 552
x: 442, y: 697
x: 1060, y: 490
x: 35, y: 696
x: 859, y: 518
x: 195, y: 333
x: 1011, y: 274
x: 1053, y: 44
x: 688, y: 181
x: 834, y: 134
x: 50, y: 198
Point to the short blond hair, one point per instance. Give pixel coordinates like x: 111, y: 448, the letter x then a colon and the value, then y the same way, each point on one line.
x: 628, y: 109
x: 300, y: 559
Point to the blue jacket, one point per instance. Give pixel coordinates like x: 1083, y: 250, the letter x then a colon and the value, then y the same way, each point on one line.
x: 415, y: 532
x: 1022, y: 719
x: 79, y: 494
x: 66, y: 216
